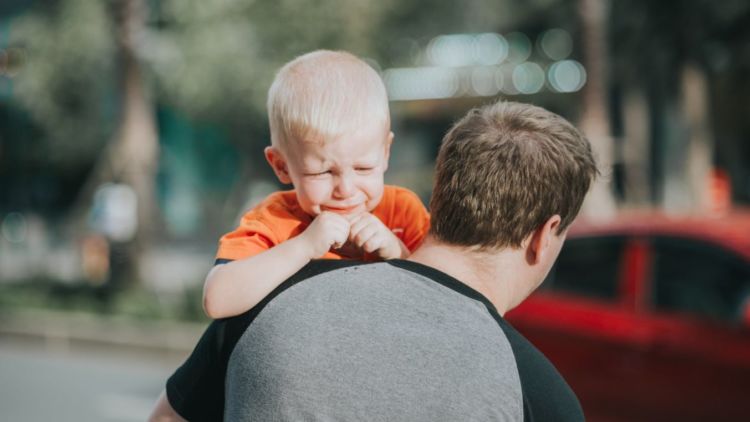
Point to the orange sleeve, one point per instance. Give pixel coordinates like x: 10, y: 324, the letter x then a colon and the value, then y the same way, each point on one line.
x: 412, y: 216
x: 274, y: 220
x: 250, y: 238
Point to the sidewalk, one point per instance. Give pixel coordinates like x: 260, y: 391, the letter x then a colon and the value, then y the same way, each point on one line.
x: 71, y: 329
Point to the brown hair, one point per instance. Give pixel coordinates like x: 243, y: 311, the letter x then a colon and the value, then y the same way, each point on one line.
x: 505, y: 169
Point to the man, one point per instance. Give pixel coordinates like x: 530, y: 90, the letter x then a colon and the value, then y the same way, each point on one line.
x: 423, y: 338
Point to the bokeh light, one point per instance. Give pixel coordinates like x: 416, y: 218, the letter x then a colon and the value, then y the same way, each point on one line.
x: 519, y: 47
x: 451, y: 50
x: 490, y: 48
x: 483, y: 81
x: 528, y: 78
x: 14, y: 227
x: 566, y: 76
x: 500, y: 79
x: 420, y: 83
x: 556, y: 44
x: 504, y: 79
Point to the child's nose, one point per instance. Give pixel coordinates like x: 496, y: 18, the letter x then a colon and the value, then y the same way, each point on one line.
x: 344, y: 186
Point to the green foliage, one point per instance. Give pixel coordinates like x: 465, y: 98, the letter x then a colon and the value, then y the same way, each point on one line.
x: 134, y: 302
x: 66, y: 81
x: 214, y: 60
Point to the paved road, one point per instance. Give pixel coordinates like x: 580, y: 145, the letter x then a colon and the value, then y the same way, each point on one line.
x: 43, y: 381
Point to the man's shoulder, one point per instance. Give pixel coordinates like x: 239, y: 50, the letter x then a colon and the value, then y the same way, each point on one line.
x: 339, y: 314
x: 395, y: 285
x: 400, y: 281
x: 364, y: 326
x: 320, y: 266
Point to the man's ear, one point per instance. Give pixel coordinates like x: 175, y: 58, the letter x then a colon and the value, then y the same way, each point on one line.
x: 387, y: 153
x: 538, y: 243
x: 278, y: 163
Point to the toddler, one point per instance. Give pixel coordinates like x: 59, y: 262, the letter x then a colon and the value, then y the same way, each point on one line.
x: 330, y: 139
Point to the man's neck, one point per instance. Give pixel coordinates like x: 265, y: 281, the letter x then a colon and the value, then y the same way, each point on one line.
x: 485, y: 272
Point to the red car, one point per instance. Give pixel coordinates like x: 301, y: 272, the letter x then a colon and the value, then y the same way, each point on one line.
x: 648, y: 317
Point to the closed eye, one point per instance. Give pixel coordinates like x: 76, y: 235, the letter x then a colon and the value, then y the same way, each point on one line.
x: 364, y: 170
x: 320, y: 173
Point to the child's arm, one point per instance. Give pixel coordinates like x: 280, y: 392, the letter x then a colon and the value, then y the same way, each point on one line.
x: 370, y: 234
x: 164, y: 412
x: 236, y: 287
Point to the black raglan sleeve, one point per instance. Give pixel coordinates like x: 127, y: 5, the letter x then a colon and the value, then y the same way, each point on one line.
x: 546, y: 394
x: 196, y: 389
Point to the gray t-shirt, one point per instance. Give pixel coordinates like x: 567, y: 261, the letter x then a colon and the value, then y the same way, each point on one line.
x: 375, y: 343
x: 343, y: 340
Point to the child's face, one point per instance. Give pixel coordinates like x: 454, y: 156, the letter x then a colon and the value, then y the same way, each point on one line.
x: 342, y: 175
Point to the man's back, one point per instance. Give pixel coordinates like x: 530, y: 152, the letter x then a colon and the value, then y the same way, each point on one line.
x: 509, y: 180
x: 373, y: 342
x: 387, y: 341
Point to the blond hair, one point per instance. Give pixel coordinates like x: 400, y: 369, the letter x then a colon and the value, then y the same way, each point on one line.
x: 503, y: 171
x: 324, y: 94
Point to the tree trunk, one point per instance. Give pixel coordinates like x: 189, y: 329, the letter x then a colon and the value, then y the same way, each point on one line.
x: 636, y: 148
x: 138, y: 139
x: 131, y: 156
x: 700, y: 143
x: 135, y: 157
x: 594, y: 120
x: 688, y: 150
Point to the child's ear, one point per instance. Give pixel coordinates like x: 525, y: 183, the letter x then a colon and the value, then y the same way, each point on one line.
x: 387, y: 154
x: 278, y: 163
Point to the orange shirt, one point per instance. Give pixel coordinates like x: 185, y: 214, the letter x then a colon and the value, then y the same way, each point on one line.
x: 279, y: 218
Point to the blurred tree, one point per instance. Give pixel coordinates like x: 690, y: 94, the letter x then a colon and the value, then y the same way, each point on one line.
x: 673, y: 58
x: 92, y: 65
x: 95, y: 71
x: 67, y: 82
x: 69, y: 85
x: 595, y: 122
x: 213, y: 60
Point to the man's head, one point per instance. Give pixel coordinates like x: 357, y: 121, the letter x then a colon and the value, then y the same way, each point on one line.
x: 506, y: 171
x: 330, y: 131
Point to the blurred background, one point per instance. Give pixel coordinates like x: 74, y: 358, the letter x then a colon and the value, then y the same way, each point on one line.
x: 131, y: 138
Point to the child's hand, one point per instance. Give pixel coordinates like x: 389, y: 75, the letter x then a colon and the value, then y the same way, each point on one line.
x: 326, y: 230
x: 370, y: 234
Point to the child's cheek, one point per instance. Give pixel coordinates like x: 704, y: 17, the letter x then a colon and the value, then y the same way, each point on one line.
x: 317, y: 191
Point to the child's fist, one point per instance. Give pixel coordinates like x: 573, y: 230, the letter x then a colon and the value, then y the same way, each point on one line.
x: 370, y: 234
x: 327, y: 230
